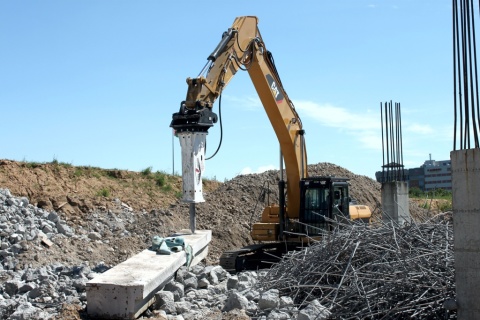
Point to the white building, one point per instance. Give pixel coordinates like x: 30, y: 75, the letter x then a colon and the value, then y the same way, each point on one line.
x: 438, y: 174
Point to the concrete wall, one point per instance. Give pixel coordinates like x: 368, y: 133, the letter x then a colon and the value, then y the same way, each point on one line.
x: 466, y: 230
x: 395, y: 202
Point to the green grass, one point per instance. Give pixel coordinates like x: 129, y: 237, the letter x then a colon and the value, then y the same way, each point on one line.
x: 437, y: 194
x: 445, y: 207
x: 113, y: 173
x: 160, y: 178
x: 33, y: 165
x: 78, y: 172
x: 432, y: 194
x: 104, y: 192
x: 147, y: 171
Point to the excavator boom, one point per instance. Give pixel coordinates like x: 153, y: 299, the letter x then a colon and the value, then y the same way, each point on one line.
x: 242, y: 47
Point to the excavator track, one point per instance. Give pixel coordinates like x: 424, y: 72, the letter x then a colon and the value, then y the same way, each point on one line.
x: 229, y: 262
x: 253, y: 257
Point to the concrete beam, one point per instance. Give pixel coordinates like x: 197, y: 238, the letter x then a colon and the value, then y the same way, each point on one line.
x: 127, y: 290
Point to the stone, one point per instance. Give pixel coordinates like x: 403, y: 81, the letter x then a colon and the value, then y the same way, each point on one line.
x: 286, y: 301
x: 79, y: 284
x: 11, y: 287
x: 252, y: 295
x: 232, y: 282
x: 16, y: 248
x: 197, y: 269
x: 269, y: 299
x: 221, y: 273
x: 26, y: 311
x: 235, y: 301
x: 212, y: 277
x: 164, y: 300
x: 6, y: 253
x: 182, y: 306
x: 314, y: 311
x: 203, y: 283
x: 53, y: 216
x: 47, y: 228
x: 278, y: 315
x: 94, y: 235
x: 29, y: 275
x: 26, y: 287
x: 35, y: 293
x: 190, y: 283
x: 176, y: 288
x: 24, y: 202
x: 63, y: 228
x: 181, y: 274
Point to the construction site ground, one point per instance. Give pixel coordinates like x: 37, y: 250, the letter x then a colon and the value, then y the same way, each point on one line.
x: 82, y: 194
x: 85, y: 196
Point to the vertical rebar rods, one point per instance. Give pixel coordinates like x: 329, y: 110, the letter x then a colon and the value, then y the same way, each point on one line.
x: 392, y: 147
x: 465, y: 76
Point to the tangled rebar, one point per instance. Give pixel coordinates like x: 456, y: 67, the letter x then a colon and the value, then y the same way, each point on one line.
x: 365, y: 272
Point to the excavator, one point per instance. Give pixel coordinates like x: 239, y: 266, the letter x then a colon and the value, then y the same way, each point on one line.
x: 308, y: 206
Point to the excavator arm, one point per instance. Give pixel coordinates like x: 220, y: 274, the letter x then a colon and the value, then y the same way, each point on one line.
x: 241, y: 47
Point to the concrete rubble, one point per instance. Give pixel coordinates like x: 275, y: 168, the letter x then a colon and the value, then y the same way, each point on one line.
x: 198, y: 292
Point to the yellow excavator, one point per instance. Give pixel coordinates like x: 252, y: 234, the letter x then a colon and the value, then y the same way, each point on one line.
x: 308, y: 206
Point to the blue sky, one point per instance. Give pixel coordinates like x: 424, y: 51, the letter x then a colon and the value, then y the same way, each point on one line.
x: 96, y: 82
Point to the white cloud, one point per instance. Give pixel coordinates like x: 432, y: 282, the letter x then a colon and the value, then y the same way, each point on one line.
x: 338, y: 117
x: 244, y: 103
x: 248, y: 170
x: 364, y: 127
x: 419, y: 128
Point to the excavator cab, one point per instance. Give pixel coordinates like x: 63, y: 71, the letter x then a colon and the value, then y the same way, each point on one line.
x: 322, y: 200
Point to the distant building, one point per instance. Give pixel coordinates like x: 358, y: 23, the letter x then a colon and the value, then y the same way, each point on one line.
x: 416, y: 178
x: 438, y: 174
x: 429, y: 176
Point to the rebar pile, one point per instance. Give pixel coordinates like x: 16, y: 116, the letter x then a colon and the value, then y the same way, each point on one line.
x: 364, y: 272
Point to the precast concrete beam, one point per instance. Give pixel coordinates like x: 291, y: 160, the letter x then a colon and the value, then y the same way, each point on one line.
x: 127, y: 290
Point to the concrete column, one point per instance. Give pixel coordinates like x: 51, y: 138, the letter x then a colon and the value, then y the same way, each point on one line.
x: 395, y: 202
x: 466, y: 230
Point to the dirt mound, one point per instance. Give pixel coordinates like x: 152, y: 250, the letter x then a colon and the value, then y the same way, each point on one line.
x: 85, y: 195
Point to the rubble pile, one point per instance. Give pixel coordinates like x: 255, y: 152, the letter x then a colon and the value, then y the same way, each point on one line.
x: 36, y: 293
x: 28, y: 292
